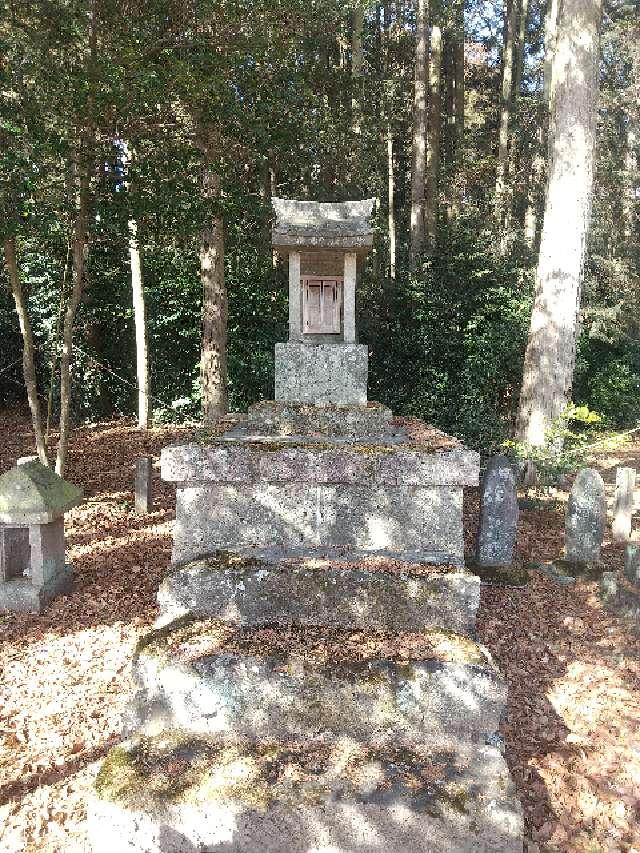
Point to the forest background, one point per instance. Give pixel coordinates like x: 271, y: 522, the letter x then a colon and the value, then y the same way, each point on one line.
x: 141, y: 142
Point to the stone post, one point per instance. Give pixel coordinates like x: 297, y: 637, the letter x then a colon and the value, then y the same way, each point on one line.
x: 295, y: 297
x: 586, y: 518
x: 632, y: 562
x: 144, y: 491
x: 350, y: 272
x: 498, y: 524
x: 623, y: 504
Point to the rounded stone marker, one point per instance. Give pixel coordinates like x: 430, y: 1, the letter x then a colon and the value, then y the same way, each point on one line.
x: 586, y: 518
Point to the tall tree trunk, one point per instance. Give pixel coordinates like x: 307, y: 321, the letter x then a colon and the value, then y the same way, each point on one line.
x: 514, y: 151
x: 550, y: 356
x: 506, y: 101
x: 391, y: 204
x: 28, y: 351
x: 535, y: 191
x: 140, y: 323
x: 458, y: 103
x: 80, y: 234
x: 433, y: 150
x: 632, y: 143
x: 213, y: 361
x: 86, y: 161
x: 357, y: 64
x: 419, y: 143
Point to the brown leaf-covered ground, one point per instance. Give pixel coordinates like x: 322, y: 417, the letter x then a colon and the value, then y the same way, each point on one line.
x: 573, y: 723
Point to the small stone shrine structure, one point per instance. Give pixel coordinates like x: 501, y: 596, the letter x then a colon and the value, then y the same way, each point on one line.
x: 33, y: 501
x: 585, y: 521
x: 281, y: 705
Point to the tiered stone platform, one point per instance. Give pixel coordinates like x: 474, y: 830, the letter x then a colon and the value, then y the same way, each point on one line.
x: 313, y: 684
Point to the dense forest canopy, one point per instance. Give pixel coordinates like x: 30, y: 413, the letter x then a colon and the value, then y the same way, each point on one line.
x: 175, y: 122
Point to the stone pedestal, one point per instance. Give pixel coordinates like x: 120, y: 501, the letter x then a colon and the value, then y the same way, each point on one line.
x: 322, y: 373
x: 371, y: 497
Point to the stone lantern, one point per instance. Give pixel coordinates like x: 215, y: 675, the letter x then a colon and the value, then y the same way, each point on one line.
x: 323, y: 244
x: 33, y: 501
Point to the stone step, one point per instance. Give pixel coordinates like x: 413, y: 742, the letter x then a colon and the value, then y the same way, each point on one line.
x: 314, y: 590
x: 209, y: 677
x: 179, y: 793
x: 271, y: 417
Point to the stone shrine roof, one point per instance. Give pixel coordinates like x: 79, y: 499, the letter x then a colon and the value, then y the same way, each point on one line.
x: 322, y: 225
x: 31, y: 493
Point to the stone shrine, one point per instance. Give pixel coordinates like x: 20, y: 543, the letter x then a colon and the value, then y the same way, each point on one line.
x: 312, y: 684
x: 33, y: 501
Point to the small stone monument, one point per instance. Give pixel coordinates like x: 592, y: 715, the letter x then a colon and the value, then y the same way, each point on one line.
x: 623, y: 504
x: 632, y: 562
x: 498, y: 523
x: 585, y: 521
x: 33, y: 500
x: 144, y: 485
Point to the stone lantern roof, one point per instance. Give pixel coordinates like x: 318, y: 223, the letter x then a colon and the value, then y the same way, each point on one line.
x: 322, y: 225
x: 31, y: 493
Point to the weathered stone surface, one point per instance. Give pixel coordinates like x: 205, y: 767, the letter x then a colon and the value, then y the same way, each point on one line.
x: 144, y: 485
x: 239, y: 458
x: 399, y: 499
x: 498, y: 522
x: 319, y: 225
x: 283, y: 800
x: 312, y: 592
x: 31, y: 493
x: 621, y: 598
x: 322, y: 373
x: 406, y: 521
x: 632, y: 562
x: 586, y: 518
x: 623, y: 504
x: 197, y: 676
x: 270, y: 417
x: 21, y: 596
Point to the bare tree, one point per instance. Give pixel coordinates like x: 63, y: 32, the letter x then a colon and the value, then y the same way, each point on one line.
x: 550, y: 356
x: 28, y: 350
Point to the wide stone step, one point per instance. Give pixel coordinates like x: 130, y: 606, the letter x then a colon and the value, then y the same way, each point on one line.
x: 177, y: 793
x: 209, y: 677
x: 313, y: 590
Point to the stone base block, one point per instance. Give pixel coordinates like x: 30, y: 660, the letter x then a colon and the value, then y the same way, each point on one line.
x: 622, y: 598
x: 407, y: 521
x: 315, y: 590
x: 179, y: 794
x: 21, y: 596
x: 208, y: 678
x: 323, y: 373
x: 377, y: 496
x: 278, y: 418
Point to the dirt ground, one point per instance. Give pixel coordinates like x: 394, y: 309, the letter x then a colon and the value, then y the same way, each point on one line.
x: 572, y: 727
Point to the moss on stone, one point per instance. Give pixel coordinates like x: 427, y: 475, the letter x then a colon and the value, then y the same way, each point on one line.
x: 577, y: 568
x: 515, y: 575
x: 177, y: 767
x: 189, y: 639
